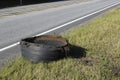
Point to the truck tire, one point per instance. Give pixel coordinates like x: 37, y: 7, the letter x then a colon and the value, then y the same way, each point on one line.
x: 44, y: 48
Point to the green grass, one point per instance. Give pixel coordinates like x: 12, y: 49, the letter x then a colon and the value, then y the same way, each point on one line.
x: 101, y: 38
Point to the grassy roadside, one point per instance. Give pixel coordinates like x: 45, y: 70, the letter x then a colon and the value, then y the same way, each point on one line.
x: 101, y: 40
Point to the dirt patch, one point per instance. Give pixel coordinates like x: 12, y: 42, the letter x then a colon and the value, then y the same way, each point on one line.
x: 89, y: 61
x: 116, y: 71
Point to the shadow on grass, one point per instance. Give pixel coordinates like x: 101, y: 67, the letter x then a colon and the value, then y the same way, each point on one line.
x: 13, y: 3
x: 74, y: 52
x: 77, y: 52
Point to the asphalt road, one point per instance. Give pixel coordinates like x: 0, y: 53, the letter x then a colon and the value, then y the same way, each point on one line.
x: 15, y: 28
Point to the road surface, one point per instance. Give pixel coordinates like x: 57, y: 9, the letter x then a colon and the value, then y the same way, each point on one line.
x: 15, y: 28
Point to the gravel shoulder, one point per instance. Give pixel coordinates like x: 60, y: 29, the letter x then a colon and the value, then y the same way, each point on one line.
x: 36, y: 7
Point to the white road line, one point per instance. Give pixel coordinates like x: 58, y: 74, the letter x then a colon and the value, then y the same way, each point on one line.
x: 15, y: 44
